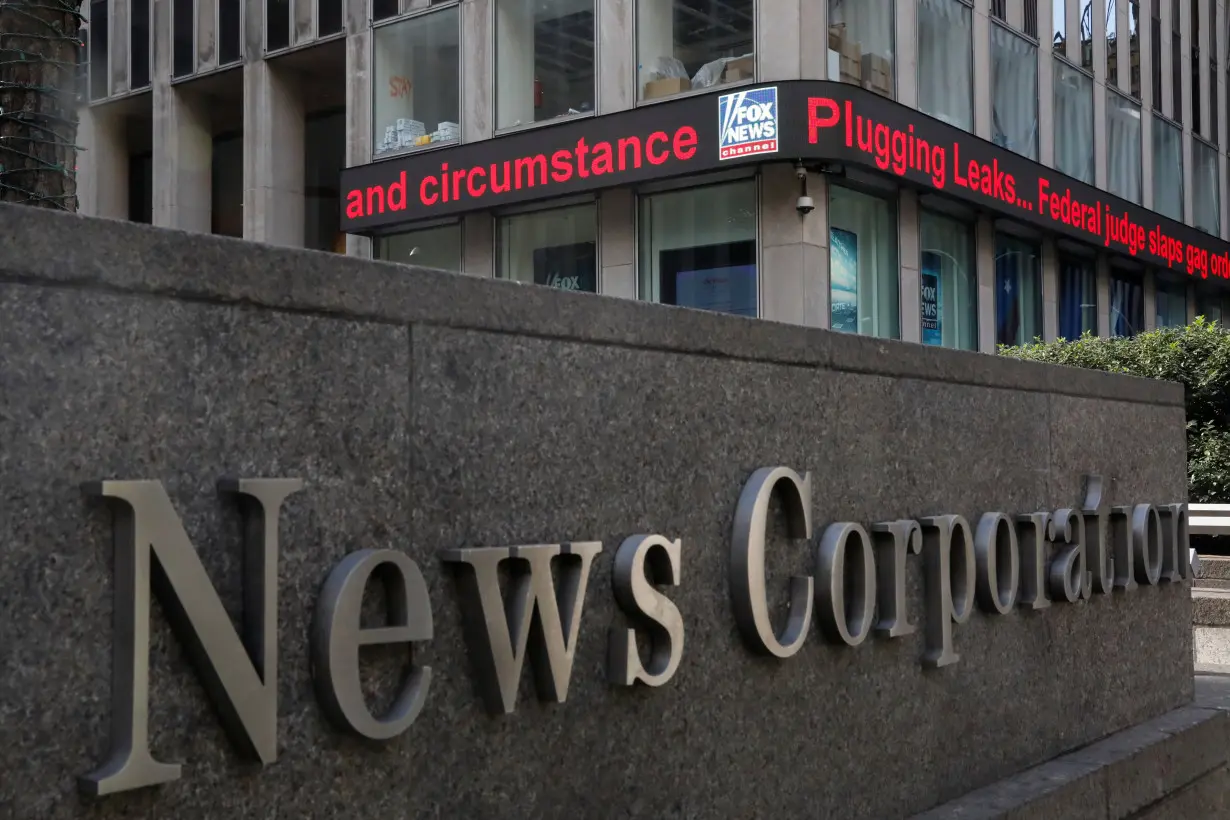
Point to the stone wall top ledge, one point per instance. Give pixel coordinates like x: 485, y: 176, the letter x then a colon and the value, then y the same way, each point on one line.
x: 44, y: 247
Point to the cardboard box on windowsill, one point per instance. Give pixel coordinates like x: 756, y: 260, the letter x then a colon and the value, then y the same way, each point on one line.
x: 743, y: 68
x: 666, y: 87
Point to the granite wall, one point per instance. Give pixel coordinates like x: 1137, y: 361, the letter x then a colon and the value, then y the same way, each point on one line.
x: 428, y: 411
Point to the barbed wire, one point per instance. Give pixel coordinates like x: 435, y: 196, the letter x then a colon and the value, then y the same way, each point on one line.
x: 38, y: 35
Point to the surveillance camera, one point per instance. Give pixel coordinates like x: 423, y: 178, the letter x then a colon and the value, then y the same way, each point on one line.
x: 805, y: 205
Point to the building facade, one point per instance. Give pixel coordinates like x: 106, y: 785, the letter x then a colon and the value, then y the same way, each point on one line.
x: 382, y: 128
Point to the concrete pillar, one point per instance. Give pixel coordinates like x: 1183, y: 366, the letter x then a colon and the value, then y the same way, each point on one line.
x: 273, y: 146
x: 1123, y: 44
x: 813, y: 60
x: 102, y: 168
x: 984, y: 251
x: 1191, y: 304
x: 982, y: 72
x: 477, y: 75
x: 1102, y: 273
x: 1203, y: 28
x: 1150, y: 308
x: 1146, y: 103
x: 478, y: 245
x: 1050, y: 290
x: 1101, y: 146
x: 183, y: 159
x: 1185, y: 105
x: 207, y: 34
x: 1169, y: 103
x: 905, y: 60
x: 1046, y: 86
x: 1015, y: 14
x: 617, y: 242
x: 514, y: 76
x: 616, y: 56
x: 779, y: 39
x: 359, y: 103
x: 793, y: 249
x: 910, y: 245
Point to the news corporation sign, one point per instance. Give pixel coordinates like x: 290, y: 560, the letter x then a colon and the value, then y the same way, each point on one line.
x: 998, y: 563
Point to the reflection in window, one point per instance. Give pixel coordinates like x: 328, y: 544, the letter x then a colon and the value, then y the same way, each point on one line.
x: 945, y: 61
x: 544, y: 58
x: 1112, y: 45
x: 1127, y: 304
x: 698, y: 248
x: 1155, y: 51
x: 1167, y: 169
x: 1206, y: 199
x: 861, y: 43
x: 1018, y: 291
x: 1134, y: 46
x: 277, y: 24
x: 324, y: 155
x: 1078, y: 299
x: 557, y: 248
x: 139, y: 10
x: 1123, y: 139
x: 1073, y: 121
x: 1014, y: 92
x: 1209, y: 305
x: 183, y: 38
x: 429, y: 248
x: 99, y: 32
x: 863, y: 270
x: 948, y: 283
x: 1087, y: 34
x: 1059, y: 26
x: 1171, y: 302
x: 689, y: 44
x: 416, y: 88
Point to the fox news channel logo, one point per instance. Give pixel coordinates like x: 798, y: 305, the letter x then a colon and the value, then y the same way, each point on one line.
x: 747, y: 122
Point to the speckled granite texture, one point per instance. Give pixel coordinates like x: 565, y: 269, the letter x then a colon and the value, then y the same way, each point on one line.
x: 428, y: 411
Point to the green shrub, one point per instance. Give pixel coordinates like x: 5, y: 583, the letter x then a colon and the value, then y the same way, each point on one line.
x: 1197, y: 356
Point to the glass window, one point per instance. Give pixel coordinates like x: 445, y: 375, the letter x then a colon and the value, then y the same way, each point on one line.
x: 945, y: 67
x: 1014, y: 92
x: 1167, y: 169
x: 861, y: 43
x: 1073, y: 121
x: 1078, y: 299
x: 1059, y: 25
x: 328, y: 17
x: 1123, y: 138
x: 99, y: 35
x: 1171, y: 302
x: 139, y: 32
x: 277, y: 24
x: 1155, y: 49
x: 948, y: 284
x: 226, y: 173
x: 687, y: 44
x: 324, y: 155
x: 1018, y: 291
x: 183, y: 38
x: 1127, y: 304
x: 1112, y: 45
x: 1087, y: 34
x: 544, y: 60
x: 417, y: 86
x: 384, y: 9
x: 863, y: 270
x: 1197, y: 114
x: 557, y: 248
x: 1206, y: 199
x: 438, y: 247
x: 698, y: 248
x: 1208, y: 305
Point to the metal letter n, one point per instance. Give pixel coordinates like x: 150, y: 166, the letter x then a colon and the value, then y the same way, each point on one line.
x: 240, y: 675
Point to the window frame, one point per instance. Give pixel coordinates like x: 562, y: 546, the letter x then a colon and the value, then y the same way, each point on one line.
x: 918, y: 77
x: 637, y: 101
x: 1037, y: 86
x: 545, y: 206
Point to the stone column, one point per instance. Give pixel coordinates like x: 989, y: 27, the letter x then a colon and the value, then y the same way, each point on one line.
x: 1050, y: 290
x: 102, y: 165
x: 359, y: 103
x: 617, y: 76
x: 794, y: 249
x: 273, y: 153
x: 617, y: 242
x: 984, y: 251
x: 910, y: 247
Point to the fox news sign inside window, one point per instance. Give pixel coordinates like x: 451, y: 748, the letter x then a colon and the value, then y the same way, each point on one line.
x: 747, y: 123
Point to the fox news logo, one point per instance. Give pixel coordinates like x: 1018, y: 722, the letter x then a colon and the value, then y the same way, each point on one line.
x: 747, y: 122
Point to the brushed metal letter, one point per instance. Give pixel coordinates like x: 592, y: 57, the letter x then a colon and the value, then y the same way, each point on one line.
x: 893, y: 540
x: 847, y: 619
x: 337, y: 635
x: 1123, y: 537
x: 1098, y: 551
x: 1032, y: 538
x: 499, y: 633
x: 999, y: 563
x: 1067, y: 578
x: 949, y: 583
x: 240, y: 676
x: 1147, y: 533
x: 1177, y: 549
x: 747, y: 584
x: 648, y: 608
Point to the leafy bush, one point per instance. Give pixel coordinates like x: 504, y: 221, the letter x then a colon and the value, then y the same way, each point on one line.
x: 1197, y: 356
